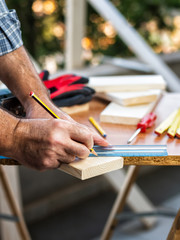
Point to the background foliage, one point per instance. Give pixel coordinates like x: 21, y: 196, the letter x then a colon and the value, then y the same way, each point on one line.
x: 43, y: 27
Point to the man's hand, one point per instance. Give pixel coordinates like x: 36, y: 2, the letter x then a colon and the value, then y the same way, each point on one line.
x: 36, y: 111
x: 45, y: 143
x: 36, y: 142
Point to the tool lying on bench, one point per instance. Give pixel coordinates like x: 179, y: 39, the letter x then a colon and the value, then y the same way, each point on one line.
x: 116, y: 151
x: 131, y: 151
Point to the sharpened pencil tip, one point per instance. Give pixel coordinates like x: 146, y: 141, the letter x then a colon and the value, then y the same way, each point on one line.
x: 93, y: 152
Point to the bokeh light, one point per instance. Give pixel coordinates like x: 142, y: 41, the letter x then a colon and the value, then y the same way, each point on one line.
x: 87, y: 43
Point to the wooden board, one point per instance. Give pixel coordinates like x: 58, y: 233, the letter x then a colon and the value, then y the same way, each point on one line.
x: 131, y: 98
x: 131, y: 115
x: 92, y: 166
x: 127, y: 83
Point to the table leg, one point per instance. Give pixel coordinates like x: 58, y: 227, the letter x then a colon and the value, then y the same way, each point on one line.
x: 174, y: 233
x: 119, y: 202
x: 14, y: 208
x: 136, y: 200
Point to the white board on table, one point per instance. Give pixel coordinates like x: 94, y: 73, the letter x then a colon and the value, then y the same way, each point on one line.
x: 127, y: 83
x: 131, y: 115
x: 131, y: 98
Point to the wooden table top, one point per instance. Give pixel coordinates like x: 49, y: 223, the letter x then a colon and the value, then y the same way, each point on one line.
x: 119, y: 134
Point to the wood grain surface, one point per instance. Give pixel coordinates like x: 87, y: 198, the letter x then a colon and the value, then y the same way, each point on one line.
x: 91, y: 167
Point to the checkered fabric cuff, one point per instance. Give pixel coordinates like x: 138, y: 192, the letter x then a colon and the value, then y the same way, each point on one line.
x: 10, y: 33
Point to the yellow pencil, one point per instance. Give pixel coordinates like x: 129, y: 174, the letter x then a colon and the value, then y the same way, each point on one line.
x: 38, y: 100
x: 96, y: 125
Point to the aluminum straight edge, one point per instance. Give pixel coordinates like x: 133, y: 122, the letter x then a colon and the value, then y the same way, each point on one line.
x: 132, y: 154
x: 130, y: 147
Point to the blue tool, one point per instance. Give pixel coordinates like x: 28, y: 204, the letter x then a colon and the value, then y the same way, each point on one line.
x: 131, y: 151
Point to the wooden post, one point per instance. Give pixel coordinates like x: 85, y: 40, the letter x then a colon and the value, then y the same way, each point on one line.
x: 174, y: 233
x: 136, y: 200
x: 75, y: 26
x: 9, y: 204
x: 119, y: 202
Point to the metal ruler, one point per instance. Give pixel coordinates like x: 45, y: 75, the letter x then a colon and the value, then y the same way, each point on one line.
x: 127, y: 151
x: 130, y: 151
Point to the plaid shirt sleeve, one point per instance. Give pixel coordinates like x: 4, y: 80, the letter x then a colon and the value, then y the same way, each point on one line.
x: 10, y: 33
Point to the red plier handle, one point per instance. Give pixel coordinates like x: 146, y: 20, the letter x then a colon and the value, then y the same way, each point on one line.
x: 147, y: 121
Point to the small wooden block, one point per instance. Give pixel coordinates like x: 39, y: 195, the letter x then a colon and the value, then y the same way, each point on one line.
x: 92, y: 166
x: 76, y: 109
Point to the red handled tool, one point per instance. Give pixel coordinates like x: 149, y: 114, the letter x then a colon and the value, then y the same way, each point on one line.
x: 145, y: 123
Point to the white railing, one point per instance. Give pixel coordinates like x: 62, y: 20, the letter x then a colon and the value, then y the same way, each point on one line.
x: 75, y: 27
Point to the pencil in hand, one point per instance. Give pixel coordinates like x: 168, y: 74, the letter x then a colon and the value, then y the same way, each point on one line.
x: 38, y: 100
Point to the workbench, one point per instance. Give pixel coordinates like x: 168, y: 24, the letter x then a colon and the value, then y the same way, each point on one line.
x: 118, y: 134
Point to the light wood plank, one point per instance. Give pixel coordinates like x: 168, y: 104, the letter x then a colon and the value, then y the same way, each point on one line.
x: 127, y: 83
x: 128, y: 115
x: 91, y: 167
x: 131, y: 98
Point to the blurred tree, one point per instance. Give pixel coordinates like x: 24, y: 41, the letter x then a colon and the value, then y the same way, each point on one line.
x: 28, y: 27
x: 39, y: 24
x: 158, y: 21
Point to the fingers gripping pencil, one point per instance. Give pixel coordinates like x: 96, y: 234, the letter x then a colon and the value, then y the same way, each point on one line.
x: 38, y: 100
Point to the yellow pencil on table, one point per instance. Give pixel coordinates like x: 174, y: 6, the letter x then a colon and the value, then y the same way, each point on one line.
x: 97, y: 126
x: 38, y: 100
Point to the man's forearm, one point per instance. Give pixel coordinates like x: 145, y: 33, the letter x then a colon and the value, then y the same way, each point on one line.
x: 8, y: 124
x: 20, y: 76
